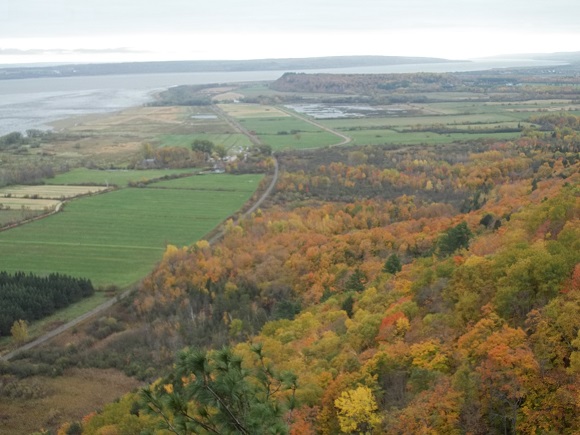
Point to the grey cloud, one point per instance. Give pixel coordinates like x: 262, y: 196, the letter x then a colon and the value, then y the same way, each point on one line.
x: 90, y: 17
x: 32, y: 52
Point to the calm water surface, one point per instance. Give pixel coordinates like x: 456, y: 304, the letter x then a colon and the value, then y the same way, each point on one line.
x: 35, y: 103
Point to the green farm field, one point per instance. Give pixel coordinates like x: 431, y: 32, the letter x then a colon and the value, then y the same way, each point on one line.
x: 278, y: 128
x: 222, y: 182
x: 380, y: 137
x: 288, y: 133
x: 119, y: 178
x: 423, y: 120
x: 48, y: 191
x: 229, y: 140
x: 117, y: 237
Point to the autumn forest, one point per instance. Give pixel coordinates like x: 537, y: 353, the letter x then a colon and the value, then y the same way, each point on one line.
x: 382, y: 288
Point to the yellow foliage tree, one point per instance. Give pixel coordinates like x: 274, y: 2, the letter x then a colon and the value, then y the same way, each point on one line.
x: 19, y: 331
x: 428, y: 355
x: 357, y: 411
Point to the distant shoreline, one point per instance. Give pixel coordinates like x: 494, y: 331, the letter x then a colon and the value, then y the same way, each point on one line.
x: 39, y: 102
x: 207, y: 66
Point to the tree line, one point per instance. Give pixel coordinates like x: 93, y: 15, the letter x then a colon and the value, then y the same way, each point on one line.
x: 30, y: 297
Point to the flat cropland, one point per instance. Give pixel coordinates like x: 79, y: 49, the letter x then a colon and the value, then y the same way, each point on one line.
x: 116, y: 237
x: 211, y: 182
x: 228, y: 140
x: 279, y: 129
x: 116, y: 177
x: 28, y: 204
x: 48, y: 191
x: 243, y: 111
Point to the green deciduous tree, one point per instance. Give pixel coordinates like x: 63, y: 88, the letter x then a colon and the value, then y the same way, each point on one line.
x: 203, y: 145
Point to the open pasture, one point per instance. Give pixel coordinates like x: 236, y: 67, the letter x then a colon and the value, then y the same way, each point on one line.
x: 117, y: 237
x: 49, y: 191
x: 288, y: 133
x: 279, y: 126
x: 214, y: 182
x: 229, y: 140
x: 412, y: 121
x: 301, y: 140
x: 116, y: 177
x: 387, y: 136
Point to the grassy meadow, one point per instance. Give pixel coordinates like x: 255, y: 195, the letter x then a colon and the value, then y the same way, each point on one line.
x: 48, y: 191
x: 229, y: 140
x: 121, y: 178
x: 212, y: 182
x: 117, y: 237
x: 279, y: 129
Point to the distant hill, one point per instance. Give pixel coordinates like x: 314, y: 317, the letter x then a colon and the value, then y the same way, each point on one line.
x: 210, y: 66
x: 568, y: 56
x: 571, y: 57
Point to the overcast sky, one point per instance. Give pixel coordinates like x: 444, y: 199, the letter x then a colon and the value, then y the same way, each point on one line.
x: 126, y: 30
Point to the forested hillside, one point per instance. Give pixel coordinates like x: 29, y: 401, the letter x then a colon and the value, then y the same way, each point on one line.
x: 515, y: 85
x: 383, y: 290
